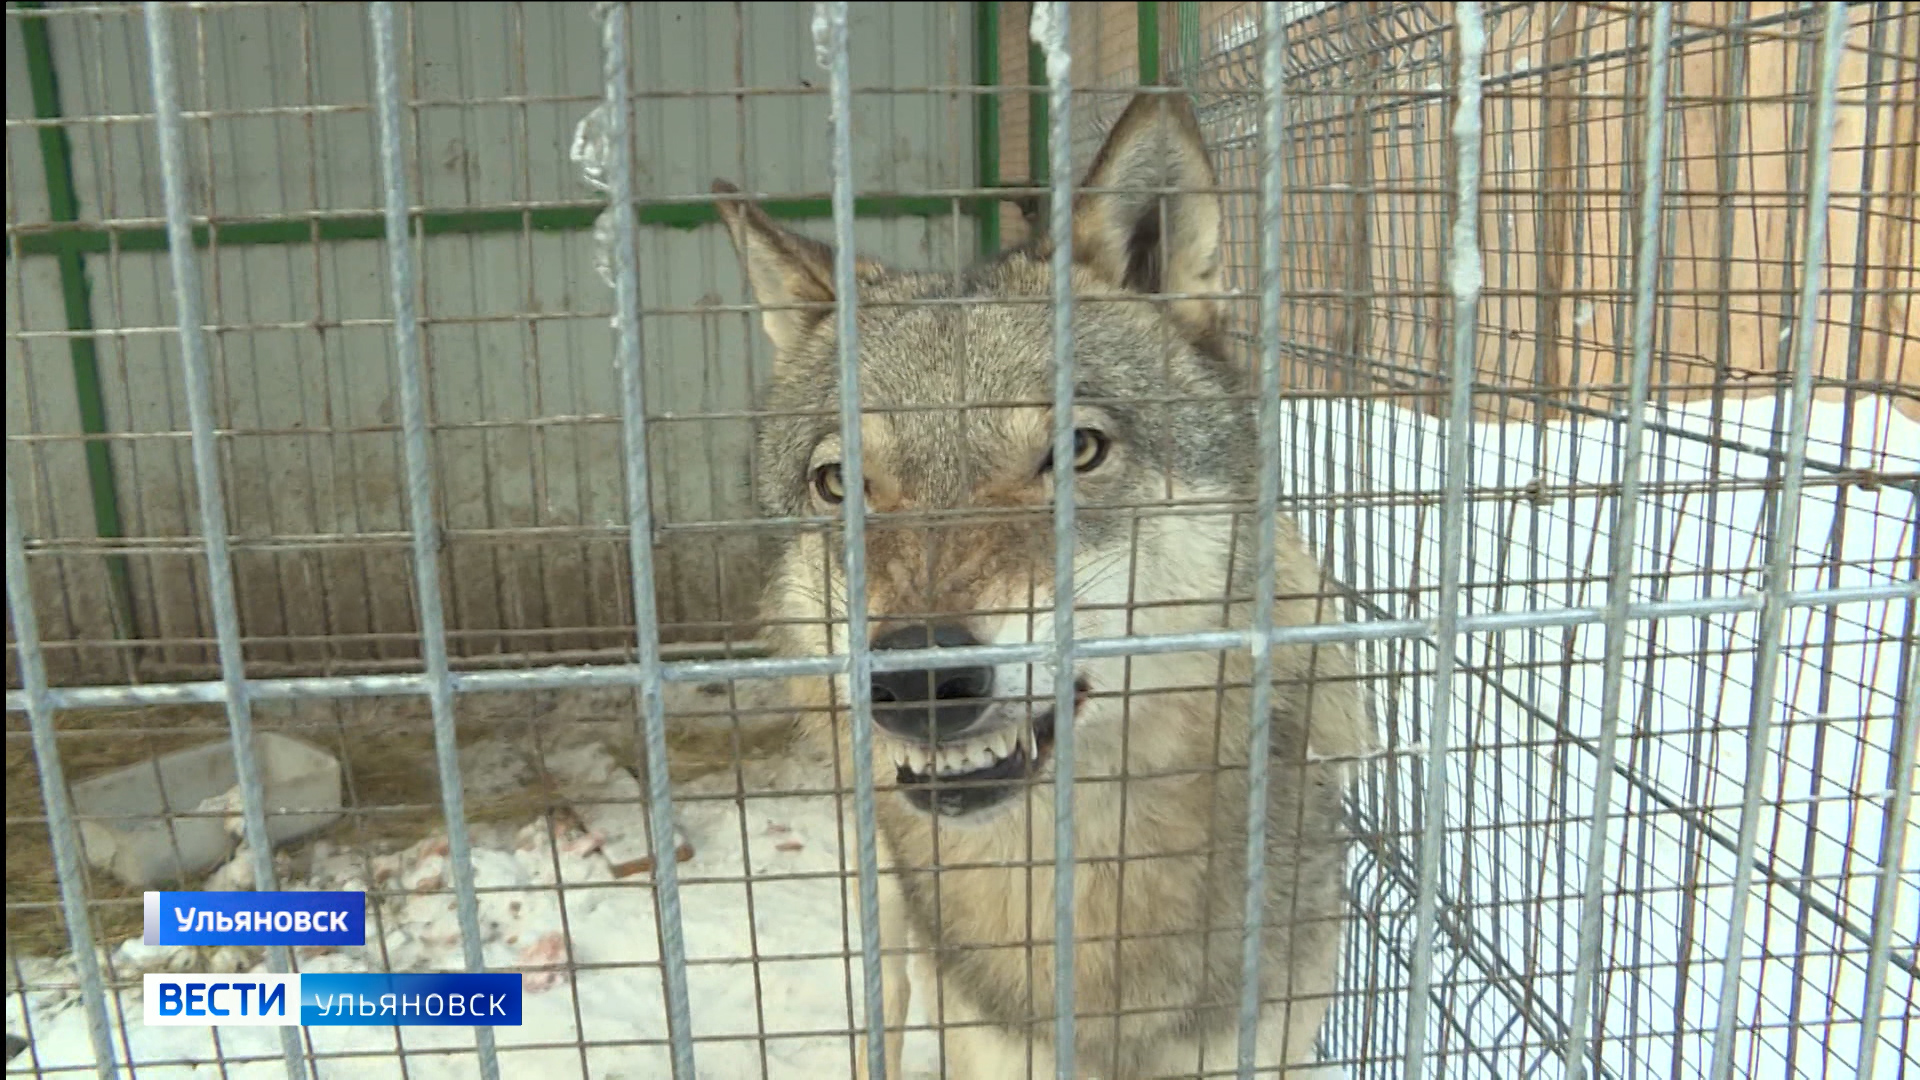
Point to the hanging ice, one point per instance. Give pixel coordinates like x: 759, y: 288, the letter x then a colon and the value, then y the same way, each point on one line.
x: 591, y: 147
x: 590, y: 151
x: 603, y: 246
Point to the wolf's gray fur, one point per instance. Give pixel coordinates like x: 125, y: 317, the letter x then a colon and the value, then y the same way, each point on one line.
x: 1160, y: 800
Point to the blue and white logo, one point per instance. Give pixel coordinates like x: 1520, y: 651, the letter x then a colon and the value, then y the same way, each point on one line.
x: 222, y: 1000
x: 256, y: 918
x: 427, y: 999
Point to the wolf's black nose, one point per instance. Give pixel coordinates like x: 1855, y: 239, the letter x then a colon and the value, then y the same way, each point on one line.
x: 934, y: 703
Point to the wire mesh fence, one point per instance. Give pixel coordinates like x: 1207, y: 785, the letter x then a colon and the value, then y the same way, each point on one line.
x: 385, y: 389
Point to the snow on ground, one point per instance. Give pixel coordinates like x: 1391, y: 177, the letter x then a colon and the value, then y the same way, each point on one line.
x: 1522, y: 778
x: 1528, y: 720
x: 612, y: 930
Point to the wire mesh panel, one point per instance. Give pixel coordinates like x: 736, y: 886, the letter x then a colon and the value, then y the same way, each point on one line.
x: 1566, y: 119
x: 281, y: 142
x: 536, y: 464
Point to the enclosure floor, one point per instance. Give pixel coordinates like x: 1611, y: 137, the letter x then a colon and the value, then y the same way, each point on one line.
x: 613, y: 925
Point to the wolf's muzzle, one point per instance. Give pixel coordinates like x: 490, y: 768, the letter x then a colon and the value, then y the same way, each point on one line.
x: 932, y: 704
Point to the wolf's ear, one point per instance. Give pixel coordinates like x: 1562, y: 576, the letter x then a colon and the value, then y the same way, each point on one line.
x: 783, y: 267
x: 1137, y: 235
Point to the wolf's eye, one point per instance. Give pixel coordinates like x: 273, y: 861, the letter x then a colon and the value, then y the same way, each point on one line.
x: 1089, y: 450
x: 828, y: 483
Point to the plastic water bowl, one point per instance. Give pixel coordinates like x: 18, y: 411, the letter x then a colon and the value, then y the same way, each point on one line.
x: 146, y: 848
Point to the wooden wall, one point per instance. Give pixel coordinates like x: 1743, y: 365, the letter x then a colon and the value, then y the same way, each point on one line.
x: 1370, y: 168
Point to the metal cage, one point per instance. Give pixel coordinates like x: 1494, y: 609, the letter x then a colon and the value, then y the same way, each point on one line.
x: 316, y: 426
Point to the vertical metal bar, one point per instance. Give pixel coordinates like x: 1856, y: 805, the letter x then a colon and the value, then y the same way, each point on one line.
x: 831, y: 48
x: 986, y: 120
x: 1273, y: 137
x: 184, y: 262
x: 633, y: 430
x: 420, y: 496
x: 1893, y: 847
x: 640, y: 535
x: 1623, y: 543
x: 1465, y: 276
x: 64, y: 833
x: 1785, y: 539
x: 1050, y: 30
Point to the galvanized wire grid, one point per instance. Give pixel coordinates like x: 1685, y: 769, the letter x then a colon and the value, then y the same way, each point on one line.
x: 1356, y: 284
x: 1388, y: 65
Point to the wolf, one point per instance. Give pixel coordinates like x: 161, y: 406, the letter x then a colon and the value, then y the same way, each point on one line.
x: 955, y: 375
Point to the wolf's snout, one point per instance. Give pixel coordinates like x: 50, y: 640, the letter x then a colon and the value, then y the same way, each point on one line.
x: 932, y: 704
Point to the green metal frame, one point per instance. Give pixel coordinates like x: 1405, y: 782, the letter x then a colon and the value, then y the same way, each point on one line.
x: 1147, y: 45
x: 63, y: 205
x: 986, y: 118
x: 65, y: 237
x: 1037, y: 149
x: 1146, y: 31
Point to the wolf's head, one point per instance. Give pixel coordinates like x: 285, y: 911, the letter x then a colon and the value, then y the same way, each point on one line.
x: 955, y: 380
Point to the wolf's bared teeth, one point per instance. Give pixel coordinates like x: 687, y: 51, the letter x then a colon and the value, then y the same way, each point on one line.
x: 1000, y: 744
x: 915, y: 758
x: 948, y: 759
x: 964, y: 757
x: 958, y: 759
